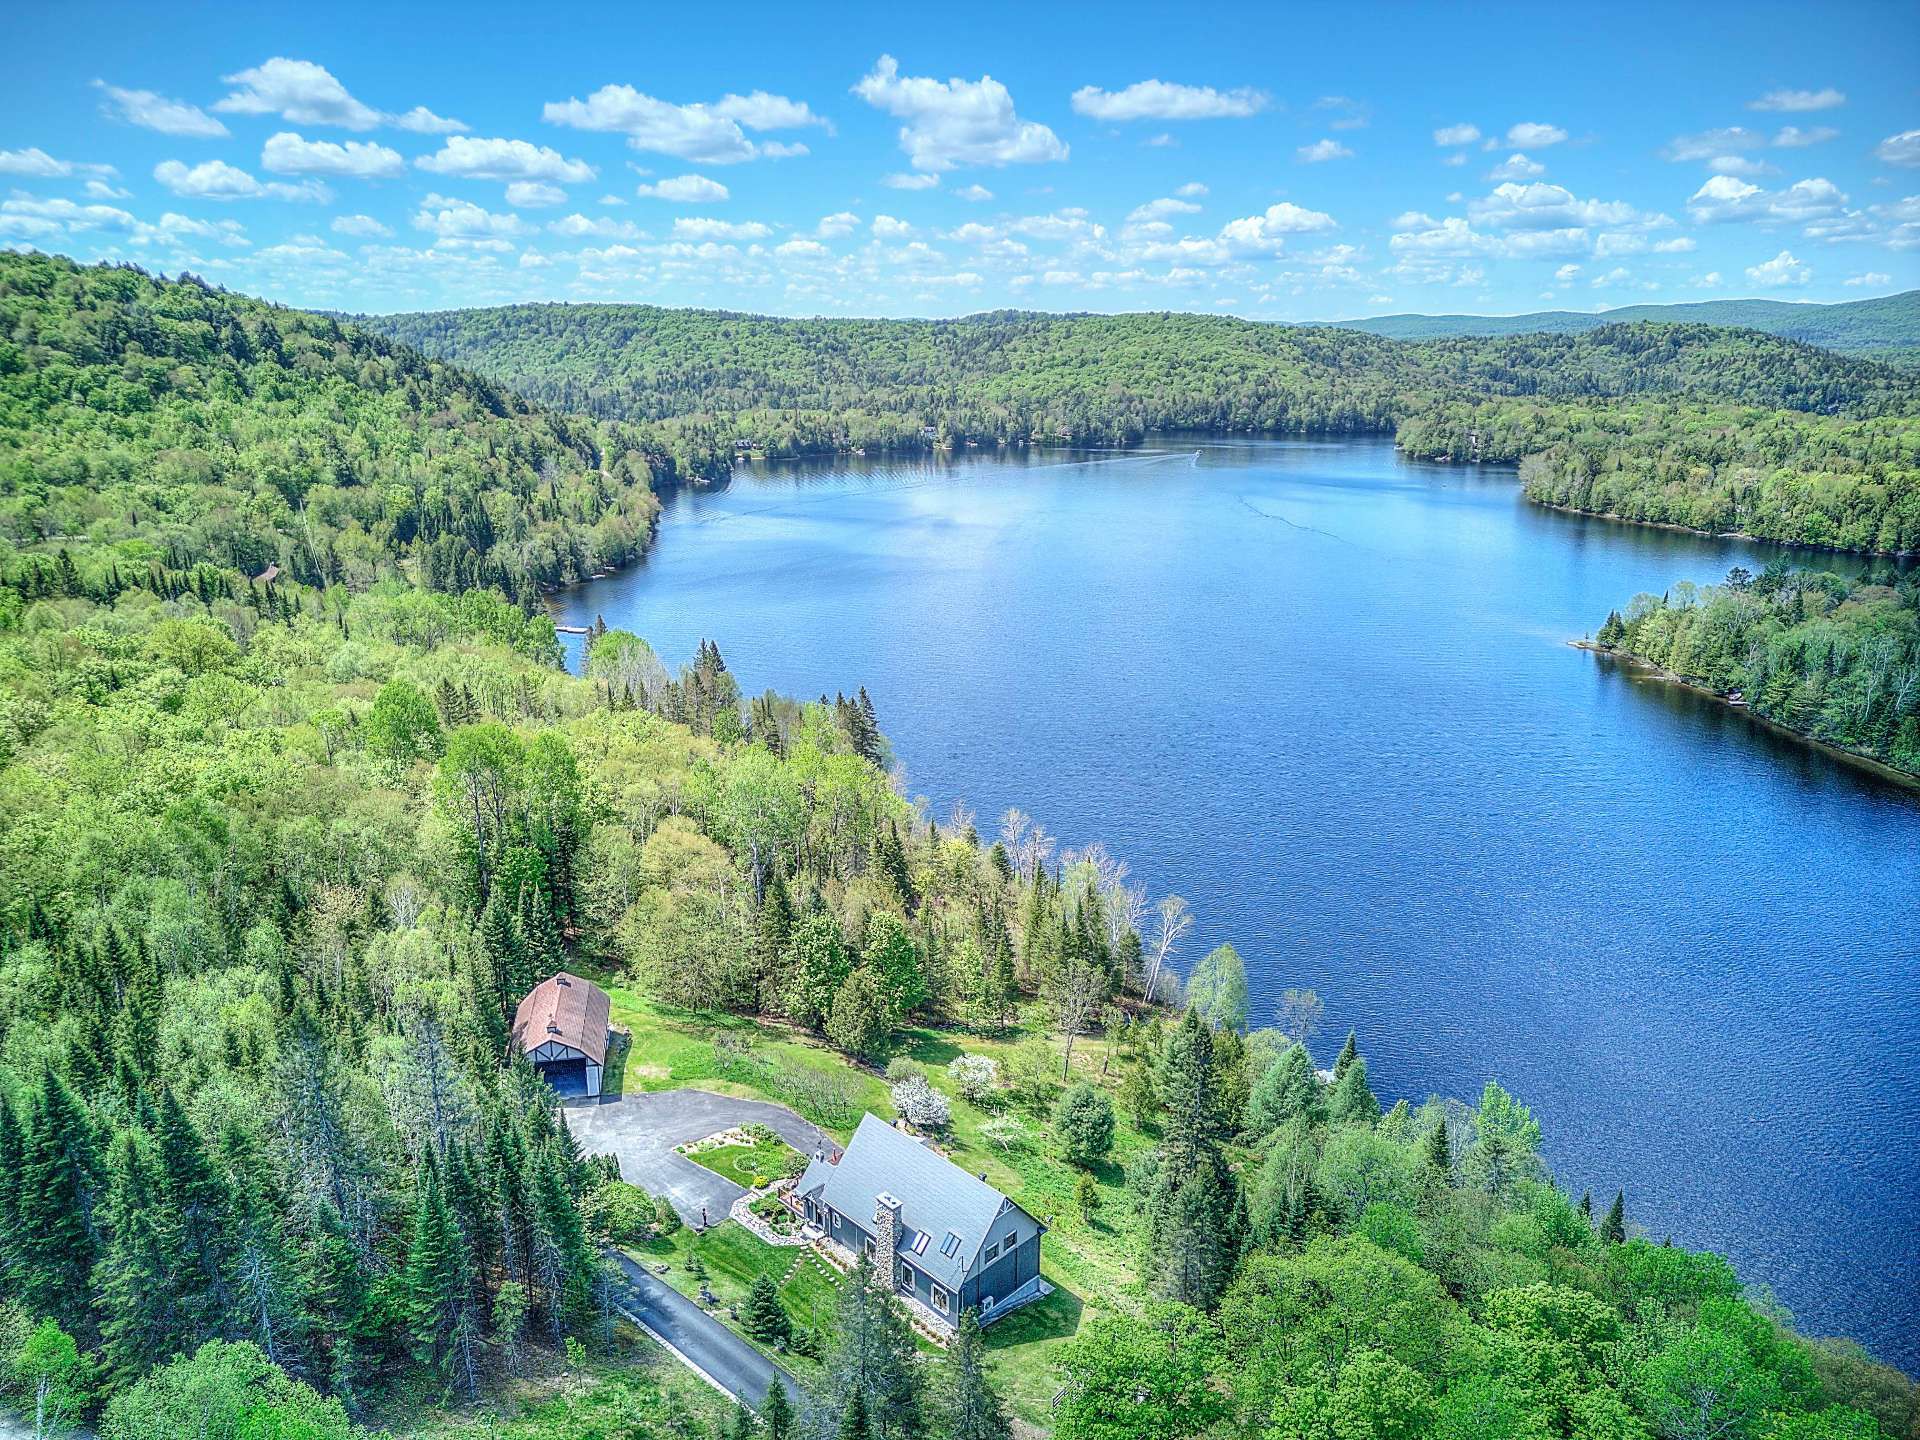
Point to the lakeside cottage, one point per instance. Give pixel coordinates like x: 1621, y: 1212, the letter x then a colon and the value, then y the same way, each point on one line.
x: 561, y: 1026
x: 955, y: 1242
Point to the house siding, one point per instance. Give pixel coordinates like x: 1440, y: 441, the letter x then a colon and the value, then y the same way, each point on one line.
x: 1004, y: 1276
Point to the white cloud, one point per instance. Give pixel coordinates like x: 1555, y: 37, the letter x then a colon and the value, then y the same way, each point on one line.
x: 1740, y: 165
x: 453, y: 219
x: 956, y: 122
x: 1619, y: 275
x: 886, y: 227
x: 289, y: 154
x: 761, y: 111
x: 1516, y: 167
x: 1346, y: 113
x: 1783, y: 269
x: 802, y: 249
x: 702, y: 229
x: 151, y: 111
x: 1725, y: 197
x: 1161, y: 209
x: 1711, y: 143
x: 535, y: 194
x: 101, y: 190
x: 1798, y: 101
x: 1163, y: 100
x: 834, y: 226
x: 975, y: 193
x: 900, y: 181
x: 1540, y: 206
x: 1901, y: 149
x: 685, y: 190
x: 34, y: 162
x: 1191, y: 189
x: 467, y: 158
x: 1873, y: 278
x: 217, y: 180
x: 1451, y: 135
x: 364, y: 225
x: 711, y: 134
x: 579, y: 226
x: 1792, y: 137
x: 1321, y: 151
x: 29, y: 216
x: 296, y: 90
x: 1532, y: 134
x: 1708, y: 281
x: 1564, y: 275
x: 423, y: 121
x: 1678, y: 245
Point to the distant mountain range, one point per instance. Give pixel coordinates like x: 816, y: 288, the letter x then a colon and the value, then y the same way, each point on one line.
x: 1887, y: 328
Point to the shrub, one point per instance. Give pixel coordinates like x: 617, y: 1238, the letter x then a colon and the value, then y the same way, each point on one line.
x: 620, y: 1212
x: 924, y: 1107
x: 976, y: 1077
x: 901, y: 1068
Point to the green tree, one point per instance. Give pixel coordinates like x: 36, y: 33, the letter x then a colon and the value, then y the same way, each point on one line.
x: 223, y: 1389
x: 872, y: 1366
x: 817, y: 966
x: 968, y: 1408
x: 1352, y: 1101
x: 1139, y: 1378
x: 402, y: 726
x: 1218, y: 989
x: 1506, y: 1143
x: 1290, y: 1090
x: 1083, y: 1122
x: 860, y: 1023
x: 764, y: 1317
x: 776, y: 1413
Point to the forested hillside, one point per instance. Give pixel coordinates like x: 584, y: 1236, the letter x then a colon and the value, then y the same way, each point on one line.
x: 1885, y: 328
x: 148, y: 424
x: 1667, y: 421
x: 277, y: 859
x: 1832, y: 658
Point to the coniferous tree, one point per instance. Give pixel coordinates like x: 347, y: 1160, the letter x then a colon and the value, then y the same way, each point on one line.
x: 1352, y: 1101
x: 970, y: 1409
x: 140, y: 1324
x: 1614, y: 1228
x: 763, y: 1315
x: 1194, y: 1217
x: 776, y: 1413
x: 873, y: 1366
x: 1349, y: 1052
x: 59, y: 1185
x: 853, y: 1420
x: 1439, y: 1152
x: 200, y: 1212
x: 437, y: 1280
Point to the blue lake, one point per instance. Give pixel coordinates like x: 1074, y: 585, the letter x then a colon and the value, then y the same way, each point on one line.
x: 1325, y: 694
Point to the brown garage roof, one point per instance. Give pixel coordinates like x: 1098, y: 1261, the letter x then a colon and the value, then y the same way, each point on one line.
x: 565, y: 1009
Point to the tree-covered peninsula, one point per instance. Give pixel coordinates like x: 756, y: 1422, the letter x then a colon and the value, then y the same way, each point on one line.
x: 1835, y: 659
x: 280, y: 851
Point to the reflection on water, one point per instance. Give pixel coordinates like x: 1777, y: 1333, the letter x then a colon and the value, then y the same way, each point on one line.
x: 1326, y: 696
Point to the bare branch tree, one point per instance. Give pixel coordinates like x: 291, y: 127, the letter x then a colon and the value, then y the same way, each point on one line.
x: 1299, y: 1012
x: 1174, y: 923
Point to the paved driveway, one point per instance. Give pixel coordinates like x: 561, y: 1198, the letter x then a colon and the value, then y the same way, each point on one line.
x: 642, y: 1130
x: 699, y: 1339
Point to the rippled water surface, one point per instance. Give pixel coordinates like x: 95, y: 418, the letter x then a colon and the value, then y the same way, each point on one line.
x: 1325, y: 695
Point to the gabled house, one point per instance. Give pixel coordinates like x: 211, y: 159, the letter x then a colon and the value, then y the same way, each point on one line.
x: 952, y: 1242
x: 561, y: 1026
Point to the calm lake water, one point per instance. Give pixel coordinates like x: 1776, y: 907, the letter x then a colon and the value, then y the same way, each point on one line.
x: 1325, y: 695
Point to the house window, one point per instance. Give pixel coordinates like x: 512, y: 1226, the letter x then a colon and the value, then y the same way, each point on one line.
x: 941, y: 1300
x: 950, y: 1246
x: 992, y: 1250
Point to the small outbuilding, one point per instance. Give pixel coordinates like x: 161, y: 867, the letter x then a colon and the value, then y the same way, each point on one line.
x: 561, y: 1027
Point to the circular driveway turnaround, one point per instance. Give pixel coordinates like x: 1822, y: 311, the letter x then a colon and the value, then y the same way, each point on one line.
x: 642, y: 1129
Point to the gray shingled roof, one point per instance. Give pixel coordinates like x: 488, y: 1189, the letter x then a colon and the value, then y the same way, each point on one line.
x: 935, y: 1195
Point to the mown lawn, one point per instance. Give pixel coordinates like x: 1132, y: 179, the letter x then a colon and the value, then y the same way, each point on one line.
x: 749, y: 1165
x: 1089, y: 1261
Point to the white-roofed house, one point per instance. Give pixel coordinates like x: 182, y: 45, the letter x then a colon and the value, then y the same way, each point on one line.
x: 955, y: 1242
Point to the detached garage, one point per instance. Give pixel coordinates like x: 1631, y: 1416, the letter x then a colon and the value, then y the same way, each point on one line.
x: 562, y: 1028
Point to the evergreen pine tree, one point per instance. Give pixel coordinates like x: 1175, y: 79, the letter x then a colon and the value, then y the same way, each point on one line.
x: 853, y: 1420
x: 59, y: 1180
x: 970, y: 1408
x: 436, y: 1287
x: 763, y: 1315
x: 1348, y: 1053
x: 1439, y: 1152
x: 1586, y: 1206
x: 1352, y: 1101
x: 140, y: 1325
x: 1614, y: 1228
x: 776, y: 1413
x: 873, y: 1364
x: 198, y: 1203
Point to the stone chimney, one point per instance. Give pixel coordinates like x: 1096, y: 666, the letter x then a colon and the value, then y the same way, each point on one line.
x: 887, y: 1231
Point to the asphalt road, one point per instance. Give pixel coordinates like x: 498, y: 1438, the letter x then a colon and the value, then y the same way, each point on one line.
x: 699, y: 1339
x: 642, y: 1130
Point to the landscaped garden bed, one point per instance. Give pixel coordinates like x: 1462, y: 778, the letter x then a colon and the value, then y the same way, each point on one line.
x: 749, y: 1155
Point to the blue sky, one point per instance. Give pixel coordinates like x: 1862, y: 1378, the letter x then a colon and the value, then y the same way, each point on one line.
x: 1278, y: 162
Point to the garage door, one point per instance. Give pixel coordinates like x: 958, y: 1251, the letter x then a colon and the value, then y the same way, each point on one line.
x: 569, y: 1077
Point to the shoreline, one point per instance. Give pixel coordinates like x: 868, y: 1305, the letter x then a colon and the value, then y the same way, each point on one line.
x: 1892, y: 774
x: 1751, y: 539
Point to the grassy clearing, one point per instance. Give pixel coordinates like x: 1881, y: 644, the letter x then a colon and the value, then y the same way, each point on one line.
x: 636, y: 1389
x: 1089, y: 1261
